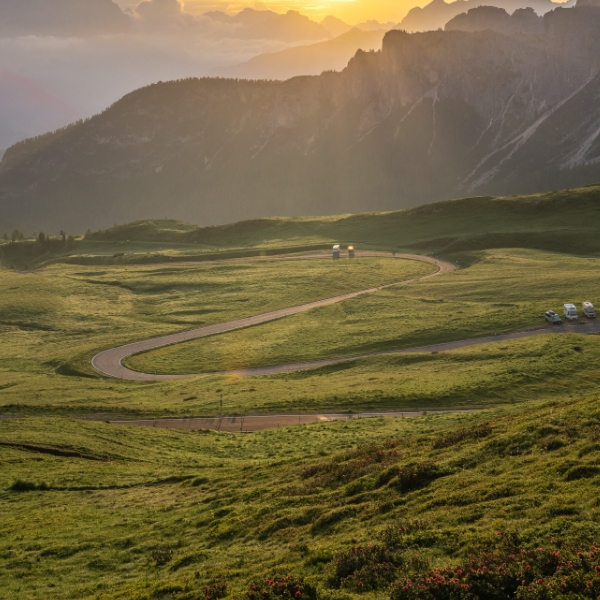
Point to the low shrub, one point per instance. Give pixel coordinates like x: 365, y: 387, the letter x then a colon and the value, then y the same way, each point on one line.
x: 454, y: 437
x: 352, y: 465
x: 415, y: 476
x: 21, y: 485
x: 162, y: 555
x: 276, y: 588
x: 375, y: 566
x: 365, y: 568
x: 401, y: 534
x: 215, y: 590
x: 539, y: 574
x: 582, y: 472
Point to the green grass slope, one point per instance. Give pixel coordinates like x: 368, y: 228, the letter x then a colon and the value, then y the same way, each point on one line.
x: 503, y: 291
x: 99, y: 511
x: 55, y: 320
x: 473, y: 505
x: 564, y: 221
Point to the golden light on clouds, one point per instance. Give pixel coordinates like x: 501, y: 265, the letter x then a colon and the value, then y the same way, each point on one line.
x: 351, y: 11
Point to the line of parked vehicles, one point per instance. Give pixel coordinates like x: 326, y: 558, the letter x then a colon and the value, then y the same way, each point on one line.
x: 570, y: 312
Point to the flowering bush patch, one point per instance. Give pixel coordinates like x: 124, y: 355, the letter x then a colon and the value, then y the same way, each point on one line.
x: 215, y: 590
x: 540, y: 574
x: 281, y: 587
x: 365, y: 568
x: 375, y: 566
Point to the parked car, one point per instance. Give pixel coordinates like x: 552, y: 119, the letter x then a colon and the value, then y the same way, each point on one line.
x: 588, y: 310
x: 553, y: 318
x: 571, y: 312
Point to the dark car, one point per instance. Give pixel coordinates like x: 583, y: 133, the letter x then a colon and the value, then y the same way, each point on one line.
x: 552, y: 317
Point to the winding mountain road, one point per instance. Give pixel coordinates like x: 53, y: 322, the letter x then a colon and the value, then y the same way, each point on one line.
x: 110, y: 362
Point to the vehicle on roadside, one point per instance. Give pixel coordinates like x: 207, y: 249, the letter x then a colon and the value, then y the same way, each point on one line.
x: 571, y: 313
x: 588, y: 310
x: 351, y: 253
x: 336, y: 251
x: 552, y: 317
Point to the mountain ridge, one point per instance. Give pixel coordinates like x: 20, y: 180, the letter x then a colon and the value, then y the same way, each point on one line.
x: 437, y: 13
x: 330, y: 55
x: 432, y: 116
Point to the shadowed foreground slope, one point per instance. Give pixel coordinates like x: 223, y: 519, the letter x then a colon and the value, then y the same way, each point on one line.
x: 122, y: 512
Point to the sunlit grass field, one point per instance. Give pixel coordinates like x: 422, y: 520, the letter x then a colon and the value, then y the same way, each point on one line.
x: 55, y: 319
x: 504, y: 290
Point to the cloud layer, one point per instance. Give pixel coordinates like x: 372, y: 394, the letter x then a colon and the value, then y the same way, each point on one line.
x: 51, y: 74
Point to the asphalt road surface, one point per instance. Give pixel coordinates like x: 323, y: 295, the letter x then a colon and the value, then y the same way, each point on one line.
x: 252, y: 423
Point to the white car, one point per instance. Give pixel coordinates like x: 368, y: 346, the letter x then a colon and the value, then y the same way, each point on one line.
x: 571, y: 313
x: 588, y: 310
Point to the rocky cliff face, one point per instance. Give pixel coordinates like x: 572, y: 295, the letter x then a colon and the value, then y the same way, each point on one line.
x: 437, y: 13
x: 432, y: 116
x: 524, y: 21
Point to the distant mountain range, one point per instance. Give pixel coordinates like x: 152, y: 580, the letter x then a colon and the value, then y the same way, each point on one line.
x: 437, y: 13
x: 312, y: 59
x: 61, y: 18
x: 432, y: 116
x: 483, y: 18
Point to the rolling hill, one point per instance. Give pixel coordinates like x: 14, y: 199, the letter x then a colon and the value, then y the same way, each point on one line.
x: 563, y: 221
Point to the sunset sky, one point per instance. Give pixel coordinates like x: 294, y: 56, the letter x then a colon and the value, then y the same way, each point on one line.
x: 352, y: 11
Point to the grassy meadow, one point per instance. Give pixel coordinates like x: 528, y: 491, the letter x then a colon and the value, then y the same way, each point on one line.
x: 56, y: 318
x: 351, y: 509
x: 92, y: 510
x: 501, y: 291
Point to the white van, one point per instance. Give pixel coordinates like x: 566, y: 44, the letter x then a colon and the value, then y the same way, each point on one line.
x: 571, y: 312
x: 588, y: 310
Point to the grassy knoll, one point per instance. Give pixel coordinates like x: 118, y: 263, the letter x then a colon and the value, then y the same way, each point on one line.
x: 99, y: 511
x: 565, y: 221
